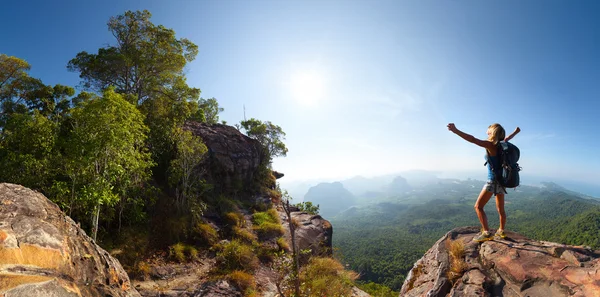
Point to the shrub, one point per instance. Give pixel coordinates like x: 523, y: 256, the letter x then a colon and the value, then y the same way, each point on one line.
x: 244, y: 234
x: 242, y: 280
x: 205, y: 233
x: 236, y: 255
x: 326, y: 277
x: 143, y: 269
x: 176, y: 252
x: 191, y: 252
x: 282, y: 243
x: 269, y: 229
x: 235, y: 219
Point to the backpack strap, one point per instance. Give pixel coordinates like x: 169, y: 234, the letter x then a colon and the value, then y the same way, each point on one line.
x: 492, y: 166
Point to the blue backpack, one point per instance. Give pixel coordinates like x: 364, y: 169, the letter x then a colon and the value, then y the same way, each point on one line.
x: 508, y: 173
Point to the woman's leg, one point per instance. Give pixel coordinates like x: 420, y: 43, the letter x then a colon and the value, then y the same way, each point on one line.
x: 482, y: 200
x: 500, y: 208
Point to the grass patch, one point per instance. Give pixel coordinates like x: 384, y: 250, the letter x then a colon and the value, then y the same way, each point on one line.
x: 244, y: 235
x: 324, y: 276
x: 183, y: 253
x: 204, y: 233
x: 236, y: 255
x: 282, y: 243
x: 456, y: 250
x: 242, y: 280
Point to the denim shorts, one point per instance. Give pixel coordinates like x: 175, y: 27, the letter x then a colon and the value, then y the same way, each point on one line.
x: 493, y: 187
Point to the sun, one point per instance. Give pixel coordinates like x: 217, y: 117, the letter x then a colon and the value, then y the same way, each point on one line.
x: 307, y: 87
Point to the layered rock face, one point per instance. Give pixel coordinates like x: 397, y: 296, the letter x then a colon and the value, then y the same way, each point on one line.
x: 314, y: 233
x: 514, y: 266
x: 44, y: 253
x: 233, y: 158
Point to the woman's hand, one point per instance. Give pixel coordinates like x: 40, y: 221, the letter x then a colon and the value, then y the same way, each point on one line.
x: 452, y: 128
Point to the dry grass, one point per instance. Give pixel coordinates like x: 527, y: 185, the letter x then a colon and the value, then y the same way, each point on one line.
x: 456, y: 251
x: 235, y: 219
x: 325, y: 276
x: 205, y: 233
x: 235, y: 255
x: 242, y: 280
x: 244, y: 234
x: 283, y: 245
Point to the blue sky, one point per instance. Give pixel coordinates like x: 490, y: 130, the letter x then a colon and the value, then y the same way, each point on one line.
x: 367, y: 87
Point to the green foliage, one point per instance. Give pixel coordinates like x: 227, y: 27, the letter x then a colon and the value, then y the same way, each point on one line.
x: 242, y: 280
x: 375, y: 289
x: 236, y: 255
x: 208, y: 111
x: 107, y: 150
x: 185, y: 171
x: 183, y: 253
x: 204, y: 233
x: 269, y: 216
x: 177, y: 252
x: 308, y: 207
x: 267, y: 224
x: 243, y: 234
x: 146, y: 60
x: 268, y: 134
x: 326, y: 277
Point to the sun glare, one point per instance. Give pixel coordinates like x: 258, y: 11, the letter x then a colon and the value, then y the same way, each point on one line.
x: 307, y: 87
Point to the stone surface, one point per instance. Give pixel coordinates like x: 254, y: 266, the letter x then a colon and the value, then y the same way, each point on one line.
x: 314, y: 233
x: 233, y: 158
x: 514, y: 266
x: 44, y: 253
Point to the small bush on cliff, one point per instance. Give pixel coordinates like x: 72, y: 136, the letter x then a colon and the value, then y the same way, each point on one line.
x: 243, y: 234
x: 204, y: 233
x: 326, y: 277
x: 243, y: 281
x: 235, y: 255
x: 233, y: 218
x: 182, y: 253
x: 267, y: 223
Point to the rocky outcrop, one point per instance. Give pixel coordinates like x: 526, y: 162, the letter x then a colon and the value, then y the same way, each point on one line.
x: 233, y: 158
x: 314, y: 233
x: 44, y: 253
x: 514, y: 266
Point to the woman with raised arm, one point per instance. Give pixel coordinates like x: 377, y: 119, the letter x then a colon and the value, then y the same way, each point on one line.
x: 495, y: 134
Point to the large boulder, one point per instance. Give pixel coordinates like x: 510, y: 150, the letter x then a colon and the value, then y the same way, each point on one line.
x: 514, y: 266
x: 44, y: 253
x: 233, y: 158
x: 313, y: 233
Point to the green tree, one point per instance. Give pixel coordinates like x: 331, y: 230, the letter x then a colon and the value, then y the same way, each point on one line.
x: 146, y: 61
x: 269, y: 135
x: 107, y: 151
x: 185, y: 171
x: 146, y: 65
x: 208, y: 111
x: 27, y: 144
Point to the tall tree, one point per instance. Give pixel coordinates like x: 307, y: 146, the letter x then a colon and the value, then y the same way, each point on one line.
x: 108, y: 150
x: 268, y: 134
x: 185, y: 170
x: 146, y: 61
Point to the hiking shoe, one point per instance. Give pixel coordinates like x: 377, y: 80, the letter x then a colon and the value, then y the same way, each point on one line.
x: 500, y: 234
x: 483, y: 236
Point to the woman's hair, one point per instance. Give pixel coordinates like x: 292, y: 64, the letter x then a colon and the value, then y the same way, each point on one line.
x: 497, y: 133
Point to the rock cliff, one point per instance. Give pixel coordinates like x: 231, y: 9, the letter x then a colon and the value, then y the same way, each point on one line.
x: 44, y: 253
x: 514, y: 266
